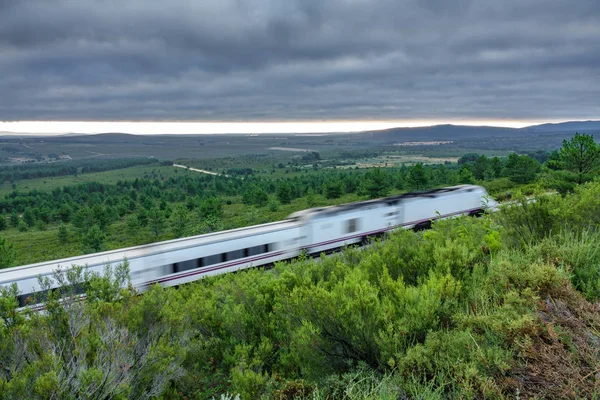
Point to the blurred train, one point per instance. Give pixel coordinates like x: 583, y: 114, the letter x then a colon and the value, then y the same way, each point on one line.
x: 313, y: 231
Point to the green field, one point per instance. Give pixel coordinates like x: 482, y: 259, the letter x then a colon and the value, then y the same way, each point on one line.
x: 107, y: 177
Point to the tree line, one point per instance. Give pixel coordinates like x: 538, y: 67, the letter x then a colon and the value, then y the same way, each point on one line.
x: 15, y: 173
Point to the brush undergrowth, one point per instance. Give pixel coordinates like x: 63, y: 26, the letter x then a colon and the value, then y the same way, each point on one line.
x: 504, y: 306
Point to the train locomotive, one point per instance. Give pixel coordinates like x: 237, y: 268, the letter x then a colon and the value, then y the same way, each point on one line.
x: 313, y: 231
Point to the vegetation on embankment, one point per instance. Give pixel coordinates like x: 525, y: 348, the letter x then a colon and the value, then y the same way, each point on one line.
x: 505, y: 306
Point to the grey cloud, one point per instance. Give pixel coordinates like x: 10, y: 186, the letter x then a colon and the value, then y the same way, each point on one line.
x: 272, y: 59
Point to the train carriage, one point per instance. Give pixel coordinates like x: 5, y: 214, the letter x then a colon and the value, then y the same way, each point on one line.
x: 317, y: 230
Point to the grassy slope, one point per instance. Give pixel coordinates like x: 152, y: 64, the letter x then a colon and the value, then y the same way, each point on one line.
x: 49, y: 183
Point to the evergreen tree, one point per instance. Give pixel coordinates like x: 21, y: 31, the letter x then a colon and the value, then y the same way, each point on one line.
x: 481, y: 164
x: 142, y: 217
x: 29, y: 217
x: 14, y: 219
x: 521, y: 169
x: 310, y: 198
x: 156, y: 222
x: 376, y: 184
x: 62, y: 234
x: 7, y: 253
x: 284, y: 193
x: 179, y: 219
x: 64, y: 213
x: 132, y: 225
x: 93, y: 240
x: 465, y: 176
x: 333, y: 190
x: 84, y: 219
x: 273, y: 205
x: 22, y: 226
x: 417, y: 177
x: 580, y: 155
x: 496, y: 166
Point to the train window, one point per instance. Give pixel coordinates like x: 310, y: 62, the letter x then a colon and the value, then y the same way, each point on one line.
x: 256, y: 250
x: 210, y: 260
x: 186, y: 265
x: 234, y: 255
x: 25, y: 299
x: 270, y: 247
x: 352, y: 225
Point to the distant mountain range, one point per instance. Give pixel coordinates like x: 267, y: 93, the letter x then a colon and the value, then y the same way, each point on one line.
x: 572, y: 126
x: 436, y: 132
x: 441, y: 132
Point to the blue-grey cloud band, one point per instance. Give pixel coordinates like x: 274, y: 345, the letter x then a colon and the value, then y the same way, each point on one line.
x: 299, y: 59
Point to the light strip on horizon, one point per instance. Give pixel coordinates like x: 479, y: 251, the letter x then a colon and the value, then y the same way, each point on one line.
x: 188, y: 127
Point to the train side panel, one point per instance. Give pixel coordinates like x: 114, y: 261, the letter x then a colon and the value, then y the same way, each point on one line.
x: 419, y: 211
x: 332, y: 230
x: 187, y: 265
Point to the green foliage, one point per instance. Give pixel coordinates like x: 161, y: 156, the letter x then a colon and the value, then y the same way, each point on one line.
x: 112, y: 344
x: 417, y: 178
x: 376, y: 184
x: 480, y: 167
x: 7, y: 253
x: 132, y: 226
x: 468, y: 158
x: 22, y: 226
x: 273, y: 205
x: 465, y: 176
x: 14, y: 219
x: 333, y: 190
x: 156, y: 222
x: 62, y: 234
x: 580, y: 155
x: 211, y: 207
x: 29, y: 217
x: 284, y: 193
x: 521, y: 169
x: 93, y: 241
x: 178, y: 220
x: 464, y: 310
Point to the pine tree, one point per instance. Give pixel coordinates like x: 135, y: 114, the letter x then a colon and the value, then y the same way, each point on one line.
x: 7, y: 253
x: 93, y: 240
x: 156, y: 222
x: 62, y: 234
x: 179, y: 219
x: 580, y: 155
x: 417, y: 177
x: 14, y: 219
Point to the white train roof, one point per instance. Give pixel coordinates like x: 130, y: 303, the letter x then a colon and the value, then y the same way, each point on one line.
x: 433, y: 193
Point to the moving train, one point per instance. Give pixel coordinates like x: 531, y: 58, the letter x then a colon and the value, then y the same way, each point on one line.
x: 313, y: 231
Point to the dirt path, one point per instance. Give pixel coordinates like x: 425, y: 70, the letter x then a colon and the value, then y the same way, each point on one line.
x: 199, y: 170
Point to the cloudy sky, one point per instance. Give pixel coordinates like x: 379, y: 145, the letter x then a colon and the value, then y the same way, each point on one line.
x: 308, y: 60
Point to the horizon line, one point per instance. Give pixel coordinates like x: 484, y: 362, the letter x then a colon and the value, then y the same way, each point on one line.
x: 249, y: 127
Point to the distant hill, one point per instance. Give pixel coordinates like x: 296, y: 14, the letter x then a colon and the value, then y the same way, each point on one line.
x: 441, y: 132
x: 463, y: 132
x: 571, y: 126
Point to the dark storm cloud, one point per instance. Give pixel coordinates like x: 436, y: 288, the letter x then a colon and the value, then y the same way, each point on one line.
x: 299, y: 59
